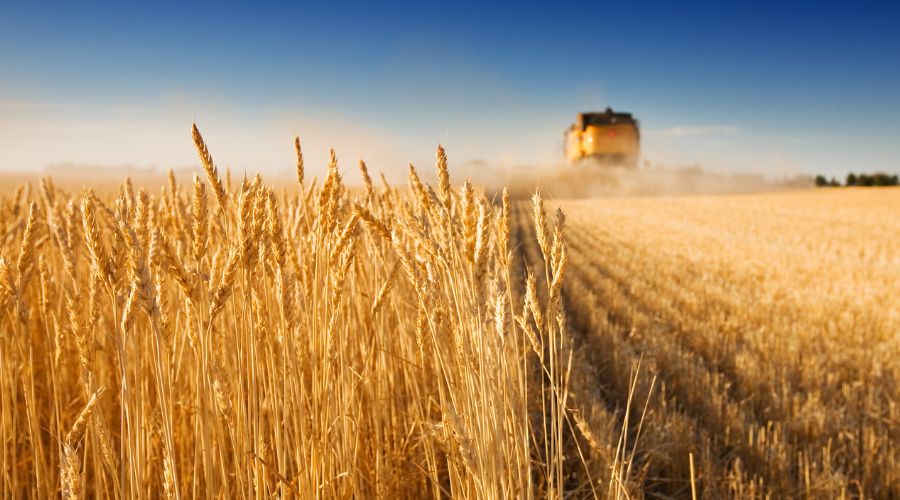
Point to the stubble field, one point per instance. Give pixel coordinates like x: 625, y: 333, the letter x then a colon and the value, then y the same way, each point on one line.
x: 770, y: 322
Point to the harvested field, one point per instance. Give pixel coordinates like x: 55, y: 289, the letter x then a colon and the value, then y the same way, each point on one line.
x: 771, y: 324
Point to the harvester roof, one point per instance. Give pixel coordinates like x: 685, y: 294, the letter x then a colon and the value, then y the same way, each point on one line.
x: 608, y: 117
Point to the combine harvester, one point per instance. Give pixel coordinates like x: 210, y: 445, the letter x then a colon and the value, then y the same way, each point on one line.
x: 606, y: 138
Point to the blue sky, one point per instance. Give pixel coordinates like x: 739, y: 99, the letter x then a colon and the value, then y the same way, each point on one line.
x: 777, y: 88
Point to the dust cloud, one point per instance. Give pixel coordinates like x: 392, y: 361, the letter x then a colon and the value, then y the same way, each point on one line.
x: 591, y: 180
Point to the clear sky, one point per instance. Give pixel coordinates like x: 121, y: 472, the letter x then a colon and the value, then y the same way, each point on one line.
x: 773, y: 87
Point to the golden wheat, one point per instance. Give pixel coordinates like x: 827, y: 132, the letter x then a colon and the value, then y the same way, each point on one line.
x: 313, y: 343
x: 318, y: 341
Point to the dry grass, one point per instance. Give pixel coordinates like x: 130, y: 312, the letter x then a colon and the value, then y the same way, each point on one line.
x: 771, y: 323
x: 217, y: 340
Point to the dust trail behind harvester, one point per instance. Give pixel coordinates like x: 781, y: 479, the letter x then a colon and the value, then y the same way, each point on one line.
x: 586, y: 180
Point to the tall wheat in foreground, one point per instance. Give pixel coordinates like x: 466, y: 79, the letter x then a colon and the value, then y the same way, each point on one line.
x: 212, y: 341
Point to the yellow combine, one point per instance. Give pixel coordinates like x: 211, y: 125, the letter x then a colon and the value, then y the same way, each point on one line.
x: 610, y: 138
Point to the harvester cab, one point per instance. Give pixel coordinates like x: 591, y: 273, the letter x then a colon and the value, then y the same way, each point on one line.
x: 607, y: 138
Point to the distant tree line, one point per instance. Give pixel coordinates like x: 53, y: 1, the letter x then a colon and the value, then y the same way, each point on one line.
x: 876, y: 179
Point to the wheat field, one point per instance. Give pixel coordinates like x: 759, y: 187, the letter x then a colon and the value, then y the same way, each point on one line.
x: 220, y: 339
x: 223, y: 341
